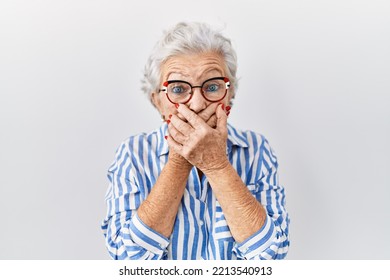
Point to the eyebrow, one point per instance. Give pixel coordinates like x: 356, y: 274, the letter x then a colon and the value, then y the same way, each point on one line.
x: 198, y: 77
x: 174, y: 71
x: 217, y: 69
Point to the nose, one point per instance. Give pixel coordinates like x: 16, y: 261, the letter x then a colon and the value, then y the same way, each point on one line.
x: 197, y: 102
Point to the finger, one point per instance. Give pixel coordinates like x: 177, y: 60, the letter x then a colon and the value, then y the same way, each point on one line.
x: 221, y: 120
x: 181, y: 125
x: 212, y: 121
x: 208, y: 112
x: 193, y: 119
x: 173, y: 144
x: 178, y: 115
x: 181, y: 117
x: 176, y: 135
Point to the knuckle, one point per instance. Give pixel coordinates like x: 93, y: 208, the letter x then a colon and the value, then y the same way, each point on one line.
x: 202, y: 115
x: 203, y: 131
x: 193, y: 118
x: 186, y: 152
x: 181, y: 125
x: 175, y: 134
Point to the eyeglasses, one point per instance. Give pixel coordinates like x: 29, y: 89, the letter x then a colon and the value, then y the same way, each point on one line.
x: 212, y: 90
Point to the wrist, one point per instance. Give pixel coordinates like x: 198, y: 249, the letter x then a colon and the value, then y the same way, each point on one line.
x: 218, y: 169
x: 179, y: 162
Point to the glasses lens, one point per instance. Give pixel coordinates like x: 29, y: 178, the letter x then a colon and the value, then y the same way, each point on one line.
x: 214, y: 89
x: 179, y: 91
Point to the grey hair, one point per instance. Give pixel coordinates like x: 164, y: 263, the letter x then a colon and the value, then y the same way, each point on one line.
x: 188, y: 38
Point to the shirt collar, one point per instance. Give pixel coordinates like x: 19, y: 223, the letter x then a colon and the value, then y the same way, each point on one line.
x: 235, y: 138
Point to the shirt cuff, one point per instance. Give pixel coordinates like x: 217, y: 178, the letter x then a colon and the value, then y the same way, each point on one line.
x: 258, y: 242
x: 146, y: 237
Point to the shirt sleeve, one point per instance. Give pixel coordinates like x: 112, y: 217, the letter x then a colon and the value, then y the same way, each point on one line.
x: 126, y: 236
x: 272, y: 240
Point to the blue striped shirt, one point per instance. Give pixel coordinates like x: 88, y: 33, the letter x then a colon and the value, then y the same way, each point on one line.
x: 200, y: 229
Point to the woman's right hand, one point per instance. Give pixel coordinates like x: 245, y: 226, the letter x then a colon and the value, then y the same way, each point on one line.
x: 209, y: 116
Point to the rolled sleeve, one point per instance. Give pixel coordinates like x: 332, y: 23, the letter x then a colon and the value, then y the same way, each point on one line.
x: 139, y: 233
x: 256, y: 245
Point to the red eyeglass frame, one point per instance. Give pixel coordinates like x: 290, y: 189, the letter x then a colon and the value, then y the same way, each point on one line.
x: 166, y: 83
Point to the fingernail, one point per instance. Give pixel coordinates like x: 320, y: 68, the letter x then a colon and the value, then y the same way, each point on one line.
x: 227, y: 113
x: 168, y: 121
x: 166, y: 137
x: 228, y: 108
x: 177, y: 105
x: 170, y: 116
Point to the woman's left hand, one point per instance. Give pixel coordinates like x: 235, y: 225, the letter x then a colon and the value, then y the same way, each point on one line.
x: 202, y: 145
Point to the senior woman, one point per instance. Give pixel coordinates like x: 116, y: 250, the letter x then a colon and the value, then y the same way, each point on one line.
x: 196, y: 188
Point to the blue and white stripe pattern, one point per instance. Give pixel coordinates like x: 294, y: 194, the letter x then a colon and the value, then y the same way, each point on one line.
x: 200, y: 229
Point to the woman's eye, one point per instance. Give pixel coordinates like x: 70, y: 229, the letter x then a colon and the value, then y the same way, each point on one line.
x: 177, y: 89
x: 212, y: 88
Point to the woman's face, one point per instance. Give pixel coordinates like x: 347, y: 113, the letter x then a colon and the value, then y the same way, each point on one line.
x: 195, y: 69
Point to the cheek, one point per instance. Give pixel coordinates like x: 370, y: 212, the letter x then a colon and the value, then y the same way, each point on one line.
x: 168, y: 109
x: 227, y: 99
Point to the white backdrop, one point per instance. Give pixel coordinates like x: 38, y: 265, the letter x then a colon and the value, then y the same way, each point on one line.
x: 314, y: 79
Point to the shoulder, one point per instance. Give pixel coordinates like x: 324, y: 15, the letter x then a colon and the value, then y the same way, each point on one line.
x: 134, y: 151
x: 142, y: 140
x: 244, y: 138
x: 136, y: 146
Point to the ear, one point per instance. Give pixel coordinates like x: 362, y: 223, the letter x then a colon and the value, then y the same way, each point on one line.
x: 230, y: 98
x: 156, y: 101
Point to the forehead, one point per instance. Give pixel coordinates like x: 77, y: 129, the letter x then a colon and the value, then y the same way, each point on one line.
x: 193, y: 66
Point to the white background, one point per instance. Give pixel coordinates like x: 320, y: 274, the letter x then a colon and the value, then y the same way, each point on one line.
x: 314, y: 79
